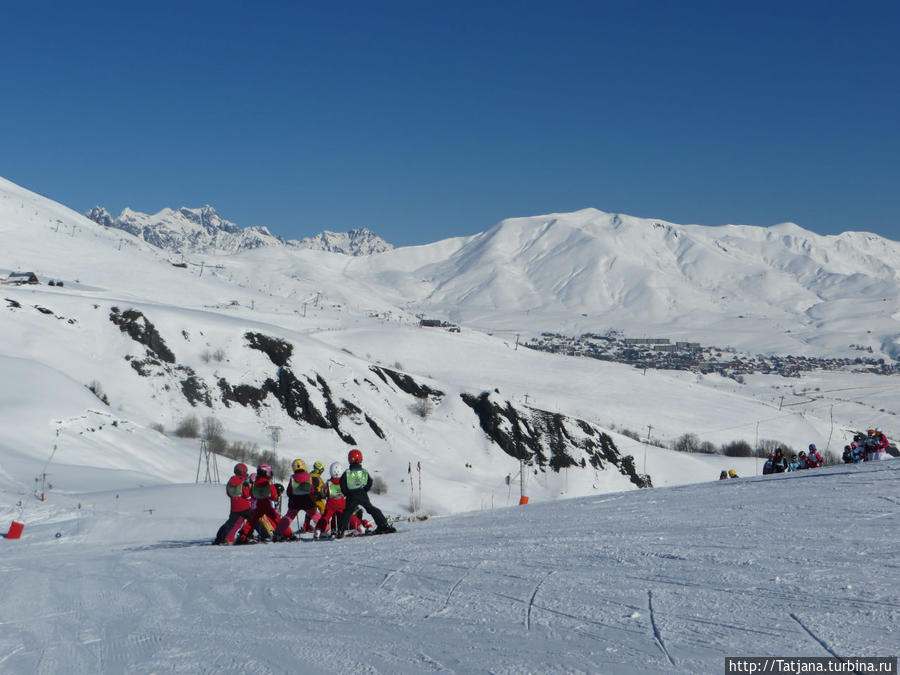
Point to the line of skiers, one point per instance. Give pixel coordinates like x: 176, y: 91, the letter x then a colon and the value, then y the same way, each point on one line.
x: 864, y: 448
x: 778, y: 463
x: 329, y: 507
x: 868, y: 448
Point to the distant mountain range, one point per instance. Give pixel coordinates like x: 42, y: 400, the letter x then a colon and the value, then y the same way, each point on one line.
x: 203, y: 230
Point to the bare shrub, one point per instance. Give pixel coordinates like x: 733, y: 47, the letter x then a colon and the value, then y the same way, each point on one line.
x: 423, y: 407
x: 686, y: 443
x: 212, y: 428
x: 633, y: 435
x: 737, y: 449
x: 97, y: 390
x: 707, y: 448
x: 158, y: 427
x: 189, y: 427
x: 218, y: 356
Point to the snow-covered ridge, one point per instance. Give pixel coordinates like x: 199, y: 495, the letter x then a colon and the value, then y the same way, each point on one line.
x: 203, y: 230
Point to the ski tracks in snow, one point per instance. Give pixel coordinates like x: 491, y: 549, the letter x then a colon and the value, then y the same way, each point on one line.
x: 657, y: 635
x: 533, y: 596
x: 815, y: 637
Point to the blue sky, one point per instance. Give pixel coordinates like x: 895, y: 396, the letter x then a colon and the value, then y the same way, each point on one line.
x: 425, y: 120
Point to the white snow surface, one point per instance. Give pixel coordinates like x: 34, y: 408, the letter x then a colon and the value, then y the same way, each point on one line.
x: 670, y: 580
x: 593, y: 575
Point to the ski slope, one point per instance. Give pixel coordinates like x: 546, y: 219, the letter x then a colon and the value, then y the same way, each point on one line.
x: 669, y: 580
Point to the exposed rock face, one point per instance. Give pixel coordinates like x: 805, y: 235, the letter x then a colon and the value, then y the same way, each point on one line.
x: 544, y: 438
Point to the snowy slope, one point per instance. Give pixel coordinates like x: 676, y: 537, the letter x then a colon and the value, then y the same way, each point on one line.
x: 670, y: 580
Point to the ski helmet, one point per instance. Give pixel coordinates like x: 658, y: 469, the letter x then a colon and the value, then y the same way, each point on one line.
x: 298, y: 465
x: 336, y: 470
x: 252, y: 477
x: 354, y: 456
x: 812, y: 446
x: 319, y: 467
x: 240, y: 469
x: 264, y: 471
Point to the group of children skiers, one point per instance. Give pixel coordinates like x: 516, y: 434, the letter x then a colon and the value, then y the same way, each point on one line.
x: 778, y: 463
x: 870, y: 447
x: 330, y: 507
x: 866, y: 448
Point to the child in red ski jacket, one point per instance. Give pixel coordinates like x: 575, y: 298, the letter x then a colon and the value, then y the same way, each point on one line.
x: 264, y: 492
x: 301, y: 497
x: 238, y: 491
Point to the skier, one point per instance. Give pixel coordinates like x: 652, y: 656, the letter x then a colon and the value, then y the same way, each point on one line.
x: 814, y: 458
x: 769, y: 466
x: 336, y: 503
x: 238, y: 491
x: 723, y: 475
x: 881, y: 444
x: 795, y: 463
x: 300, y: 498
x: 780, y: 464
x: 847, y: 456
x: 732, y: 473
x: 872, y: 444
x: 318, y: 496
x: 355, y: 484
x: 263, y: 491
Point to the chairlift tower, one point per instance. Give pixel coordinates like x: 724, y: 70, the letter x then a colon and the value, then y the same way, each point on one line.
x: 212, y: 466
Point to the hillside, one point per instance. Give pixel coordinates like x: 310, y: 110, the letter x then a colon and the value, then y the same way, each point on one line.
x: 328, y: 349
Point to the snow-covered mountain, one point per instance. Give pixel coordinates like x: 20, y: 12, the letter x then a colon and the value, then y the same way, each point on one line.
x: 359, y: 241
x: 203, y: 230
x: 329, y: 349
x: 592, y: 271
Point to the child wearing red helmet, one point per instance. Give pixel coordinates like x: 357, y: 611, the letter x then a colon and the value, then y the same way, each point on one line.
x: 264, y: 492
x: 238, y: 490
x: 355, y: 484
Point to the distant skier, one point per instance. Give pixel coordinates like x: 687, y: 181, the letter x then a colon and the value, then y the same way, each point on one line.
x: 814, y: 458
x: 795, y: 464
x: 355, y: 484
x: 300, y: 498
x: 238, y: 490
x: 723, y: 475
x: 769, y: 466
x: 732, y: 473
x: 780, y: 463
x: 847, y: 456
x: 881, y: 444
x: 872, y: 445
